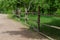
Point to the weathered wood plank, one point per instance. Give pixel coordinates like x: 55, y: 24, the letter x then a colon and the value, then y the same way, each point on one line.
x: 52, y: 26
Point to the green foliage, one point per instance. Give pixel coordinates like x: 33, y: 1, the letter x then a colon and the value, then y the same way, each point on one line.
x: 13, y: 4
x: 48, y: 6
x: 58, y: 12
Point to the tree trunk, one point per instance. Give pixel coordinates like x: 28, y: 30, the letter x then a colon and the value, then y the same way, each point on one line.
x: 26, y: 15
x: 18, y: 12
x: 39, y: 18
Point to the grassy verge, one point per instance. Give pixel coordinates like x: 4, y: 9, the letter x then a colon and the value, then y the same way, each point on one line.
x: 32, y: 22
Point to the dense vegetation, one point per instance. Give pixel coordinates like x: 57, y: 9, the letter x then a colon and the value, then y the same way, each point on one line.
x: 47, y: 7
x: 28, y: 11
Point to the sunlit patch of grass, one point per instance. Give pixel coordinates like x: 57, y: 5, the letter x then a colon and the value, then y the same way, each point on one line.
x: 46, y: 19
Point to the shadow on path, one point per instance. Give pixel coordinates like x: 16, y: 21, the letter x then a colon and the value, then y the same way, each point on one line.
x: 25, y: 33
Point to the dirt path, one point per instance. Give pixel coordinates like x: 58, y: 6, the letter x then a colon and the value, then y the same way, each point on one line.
x: 11, y: 30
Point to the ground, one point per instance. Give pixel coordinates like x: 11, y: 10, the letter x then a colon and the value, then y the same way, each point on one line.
x: 13, y: 30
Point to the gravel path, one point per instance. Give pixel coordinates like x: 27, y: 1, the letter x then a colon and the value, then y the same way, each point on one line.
x: 11, y: 30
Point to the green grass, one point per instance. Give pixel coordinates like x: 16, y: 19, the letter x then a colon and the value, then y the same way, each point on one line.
x: 45, y: 19
x: 52, y: 32
x: 51, y: 20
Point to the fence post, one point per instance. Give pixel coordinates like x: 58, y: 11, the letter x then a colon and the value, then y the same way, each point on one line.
x: 39, y: 18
